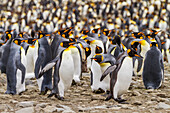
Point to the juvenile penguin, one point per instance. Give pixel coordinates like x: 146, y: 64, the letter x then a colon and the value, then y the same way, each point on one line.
x: 153, y: 71
x: 15, y: 69
x: 121, y: 75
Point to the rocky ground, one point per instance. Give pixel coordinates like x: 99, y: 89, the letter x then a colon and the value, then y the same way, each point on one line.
x: 79, y: 98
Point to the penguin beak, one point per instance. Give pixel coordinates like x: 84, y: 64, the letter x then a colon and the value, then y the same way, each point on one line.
x: 94, y: 58
x: 138, y: 55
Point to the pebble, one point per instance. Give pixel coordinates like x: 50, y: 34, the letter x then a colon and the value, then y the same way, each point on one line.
x: 26, y: 110
x: 26, y: 104
x: 42, y: 105
x: 162, y: 95
x: 137, y: 103
x: 50, y: 109
x: 14, y: 101
x: 135, y: 93
x: 162, y: 105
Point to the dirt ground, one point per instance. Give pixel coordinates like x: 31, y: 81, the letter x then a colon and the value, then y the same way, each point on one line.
x: 79, y: 98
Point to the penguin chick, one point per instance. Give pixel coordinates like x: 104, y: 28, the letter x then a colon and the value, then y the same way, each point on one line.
x: 153, y: 71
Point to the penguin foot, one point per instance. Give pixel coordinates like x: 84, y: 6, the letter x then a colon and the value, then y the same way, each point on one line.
x: 99, y: 91
x: 59, y: 98
x: 7, y: 92
x: 106, y: 94
x: 109, y: 97
x: 44, y: 92
x: 50, y: 95
x: 121, y: 101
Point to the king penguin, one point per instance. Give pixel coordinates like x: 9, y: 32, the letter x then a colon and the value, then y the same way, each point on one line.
x: 100, y: 63
x: 153, y: 71
x: 44, y: 56
x: 121, y: 75
x: 63, y: 70
x: 15, y: 69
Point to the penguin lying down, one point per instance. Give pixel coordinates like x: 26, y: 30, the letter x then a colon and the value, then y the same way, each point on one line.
x: 121, y: 75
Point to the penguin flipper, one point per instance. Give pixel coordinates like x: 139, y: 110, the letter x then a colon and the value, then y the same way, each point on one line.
x: 38, y: 63
x: 48, y: 66
x: 162, y: 67
x: 107, y: 71
x: 21, y: 67
x: 140, y: 61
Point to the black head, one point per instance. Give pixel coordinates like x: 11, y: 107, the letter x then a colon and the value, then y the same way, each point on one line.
x: 98, y: 58
x: 18, y: 41
x: 87, y: 51
x: 85, y: 32
x: 21, y: 34
x: 98, y: 50
x: 133, y: 53
x: 153, y: 44
x: 41, y: 34
x: 134, y: 45
x: 65, y: 44
x: 95, y: 30
x: 31, y: 40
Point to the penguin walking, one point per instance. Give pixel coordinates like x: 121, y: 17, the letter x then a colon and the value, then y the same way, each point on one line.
x: 121, y: 75
x: 15, y: 69
x: 153, y: 71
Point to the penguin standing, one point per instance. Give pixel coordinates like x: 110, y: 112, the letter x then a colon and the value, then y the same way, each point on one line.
x: 153, y: 71
x: 100, y: 63
x: 15, y: 69
x: 44, y: 56
x: 63, y: 70
x: 121, y: 76
x: 77, y: 59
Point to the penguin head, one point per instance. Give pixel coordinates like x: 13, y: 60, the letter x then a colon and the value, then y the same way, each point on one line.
x: 106, y: 32
x: 21, y: 34
x: 98, y: 50
x: 1, y: 44
x: 87, y: 51
x: 98, y: 58
x: 31, y: 40
x: 116, y: 40
x: 67, y: 33
x: 65, y: 44
x: 8, y: 35
x: 18, y: 41
x: 85, y: 32
x: 72, y: 40
x: 41, y: 34
x: 153, y: 44
x: 95, y: 30
x: 134, y: 45
x: 132, y: 53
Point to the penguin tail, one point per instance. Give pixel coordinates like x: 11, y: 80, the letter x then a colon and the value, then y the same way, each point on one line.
x: 107, y: 71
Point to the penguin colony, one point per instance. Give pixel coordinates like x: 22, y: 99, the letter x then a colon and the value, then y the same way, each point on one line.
x: 49, y: 40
